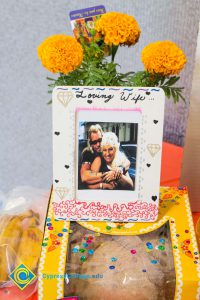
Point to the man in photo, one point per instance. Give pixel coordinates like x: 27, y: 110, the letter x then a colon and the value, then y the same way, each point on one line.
x: 93, y: 149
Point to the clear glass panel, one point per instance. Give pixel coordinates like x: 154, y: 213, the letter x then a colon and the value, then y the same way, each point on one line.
x: 101, y: 267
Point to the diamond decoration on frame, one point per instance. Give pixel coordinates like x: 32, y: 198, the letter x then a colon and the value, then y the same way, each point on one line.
x: 65, y: 97
x: 61, y: 191
x: 153, y: 149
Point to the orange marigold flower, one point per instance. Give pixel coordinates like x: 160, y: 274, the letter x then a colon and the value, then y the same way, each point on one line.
x: 118, y: 29
x: 163, y: 57
x: 60, y: 53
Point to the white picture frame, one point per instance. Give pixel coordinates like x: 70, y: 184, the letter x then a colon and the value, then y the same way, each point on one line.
x: 142, y: 108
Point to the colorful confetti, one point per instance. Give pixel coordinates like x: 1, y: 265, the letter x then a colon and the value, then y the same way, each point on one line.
x: 82, y: 250
x: 111, y: 267
x: 83, y: 258
x: 55, y: 243
x: 149, y: 245
x: 154, y: 261
x: 161, y: 248
x: 119, y: 226
x: 113, y: 259
x: 108, y: 228
x: 162, y: 241
x: 91, y: 252
x: 75, y: 250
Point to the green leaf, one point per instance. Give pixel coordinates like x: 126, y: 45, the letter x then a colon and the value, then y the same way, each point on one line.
x: 172, y: 81
x: 181, y: 96
x: 49, y: 78
x: 50, y: 102
x: 162, y: 80
x: 167, y: 91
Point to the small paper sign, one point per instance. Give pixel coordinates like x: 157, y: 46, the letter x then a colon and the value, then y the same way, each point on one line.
x: 82, y: 21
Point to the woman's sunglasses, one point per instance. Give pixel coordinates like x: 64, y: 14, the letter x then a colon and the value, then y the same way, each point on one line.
x: 96, y: 141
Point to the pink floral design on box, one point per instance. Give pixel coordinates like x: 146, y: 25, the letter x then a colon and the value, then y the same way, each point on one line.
x: 72, y: 209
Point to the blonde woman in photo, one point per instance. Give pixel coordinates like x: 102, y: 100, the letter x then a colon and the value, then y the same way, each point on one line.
x: 111, y: 165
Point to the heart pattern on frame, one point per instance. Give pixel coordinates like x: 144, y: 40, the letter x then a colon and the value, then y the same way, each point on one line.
x: 148, y: 165
x: 65, y: 97
x: 153, y: 149
x: 155, y: 121
x: 56, y: 132
x: 154, y: 198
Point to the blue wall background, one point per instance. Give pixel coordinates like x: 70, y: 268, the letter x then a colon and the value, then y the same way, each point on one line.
x: 25, y: 136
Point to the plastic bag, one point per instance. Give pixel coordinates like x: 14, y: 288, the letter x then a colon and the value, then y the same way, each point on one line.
x: 102, y: 266
x: 22, y: 219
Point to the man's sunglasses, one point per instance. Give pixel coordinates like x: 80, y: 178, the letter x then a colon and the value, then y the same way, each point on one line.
x: 95, y: 142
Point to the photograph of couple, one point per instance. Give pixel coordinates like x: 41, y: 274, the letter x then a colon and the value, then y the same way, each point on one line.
x: 107, y: 155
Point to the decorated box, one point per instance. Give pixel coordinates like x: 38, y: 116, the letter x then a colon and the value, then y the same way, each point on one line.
x: 120, y: 260
x: 111, y: 232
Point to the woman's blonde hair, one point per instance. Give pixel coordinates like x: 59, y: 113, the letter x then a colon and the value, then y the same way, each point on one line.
x: 120, y: 159
x: 110, y: 138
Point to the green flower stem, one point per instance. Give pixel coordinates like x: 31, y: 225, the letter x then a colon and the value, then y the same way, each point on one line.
x: 114, y: 51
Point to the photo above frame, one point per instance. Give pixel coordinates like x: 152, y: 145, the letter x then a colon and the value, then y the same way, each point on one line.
x: 107, y: 146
